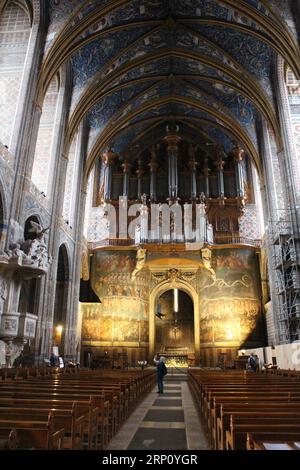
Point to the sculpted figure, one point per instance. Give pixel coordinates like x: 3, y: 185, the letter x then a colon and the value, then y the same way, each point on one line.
x: 206, y: 260
x: 140, y: 262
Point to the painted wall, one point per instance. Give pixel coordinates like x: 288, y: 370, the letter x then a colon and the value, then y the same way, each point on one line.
x: 121, y: 319
x: 230, y: 305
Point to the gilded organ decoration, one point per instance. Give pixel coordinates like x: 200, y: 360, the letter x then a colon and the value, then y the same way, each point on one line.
x: 173, y: 275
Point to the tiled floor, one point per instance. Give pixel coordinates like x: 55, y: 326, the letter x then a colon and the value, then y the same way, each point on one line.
x: 167, y: 422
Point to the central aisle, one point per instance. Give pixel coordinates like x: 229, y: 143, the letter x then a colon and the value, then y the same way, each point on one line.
x: 167, y: 422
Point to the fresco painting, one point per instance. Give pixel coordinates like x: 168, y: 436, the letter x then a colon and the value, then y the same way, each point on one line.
x: 122, y: 316
x: 230, y: 304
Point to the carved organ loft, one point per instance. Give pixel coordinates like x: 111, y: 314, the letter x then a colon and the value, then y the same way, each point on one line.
x: 199, y: 176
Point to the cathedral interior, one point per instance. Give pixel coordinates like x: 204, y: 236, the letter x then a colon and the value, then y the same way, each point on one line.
x: 149, y: 181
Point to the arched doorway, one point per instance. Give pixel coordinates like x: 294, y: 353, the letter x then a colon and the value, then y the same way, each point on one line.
x: 61, y: 299
x: 174, y: 328
x: 193, y: 298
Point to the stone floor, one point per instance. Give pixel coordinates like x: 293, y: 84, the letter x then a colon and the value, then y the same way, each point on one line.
x: 163, y: 422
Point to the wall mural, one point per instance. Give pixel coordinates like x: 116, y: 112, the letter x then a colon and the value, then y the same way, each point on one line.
x: 122, y: 315
x: 230, y: 304
x: 230, y: 300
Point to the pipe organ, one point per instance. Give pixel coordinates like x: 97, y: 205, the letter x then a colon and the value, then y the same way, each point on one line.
x: 175, y: 178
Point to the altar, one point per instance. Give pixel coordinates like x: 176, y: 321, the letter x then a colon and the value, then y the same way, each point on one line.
x: 178, y: 356
x: 177, y: 360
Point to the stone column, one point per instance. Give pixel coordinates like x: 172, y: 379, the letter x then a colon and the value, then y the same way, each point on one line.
x: 126, y: 170
x: 60, y: 163
x: 71, y: 347
x: 193, y: 167
x: 153, y: 165
x: 71, y: 334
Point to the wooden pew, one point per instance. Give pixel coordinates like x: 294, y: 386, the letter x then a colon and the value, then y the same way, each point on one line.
x: 8, y: 439
x: 89, y: 409
x: 113, y: 394
x: 256, y: 398
x: 236, y: 437
x: 257, y: 409
x: 35, y: 434
x: 259, y: 441
x: 67, y: 419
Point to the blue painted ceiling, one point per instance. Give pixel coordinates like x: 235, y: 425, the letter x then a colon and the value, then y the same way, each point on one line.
x: 139, y: 52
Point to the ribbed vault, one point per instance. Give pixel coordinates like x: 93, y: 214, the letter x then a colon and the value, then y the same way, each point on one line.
x: 206, y: 64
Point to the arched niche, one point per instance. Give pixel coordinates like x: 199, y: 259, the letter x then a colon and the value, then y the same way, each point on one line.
x: 154, y: 296
x: 174, y: 328
x: 61, y: 298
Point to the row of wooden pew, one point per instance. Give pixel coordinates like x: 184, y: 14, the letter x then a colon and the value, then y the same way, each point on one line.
x: 20, y: 373
x: 240, y: 408
x: 82, y: 409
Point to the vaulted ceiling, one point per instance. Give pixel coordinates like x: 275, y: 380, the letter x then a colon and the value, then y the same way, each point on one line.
x: 137, y: 65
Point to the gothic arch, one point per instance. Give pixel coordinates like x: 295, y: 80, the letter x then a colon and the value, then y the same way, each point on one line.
x: 33, y: 215
x: 156, y: 292
x: 224, y: 121
x: 62, y: 294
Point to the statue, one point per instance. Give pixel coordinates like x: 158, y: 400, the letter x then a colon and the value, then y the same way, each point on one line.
x: 173, y: 274
x: 38, y: 230
x: 144, y: 199
x: 36, y: 249
x: 31, y: 251
x: 12, y: 351
x: 16, y: 253
x: 202, y: 198
x: 3, y: 291
x: 140, y: 262
x: 206, y: 260
x: 2, y: 353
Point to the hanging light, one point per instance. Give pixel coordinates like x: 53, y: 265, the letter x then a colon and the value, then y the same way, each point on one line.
x: 176, y: 300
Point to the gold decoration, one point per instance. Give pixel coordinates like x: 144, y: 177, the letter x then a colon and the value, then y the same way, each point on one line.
x: 206, y: 260
x: 173, y: 274
x: 140, y: 262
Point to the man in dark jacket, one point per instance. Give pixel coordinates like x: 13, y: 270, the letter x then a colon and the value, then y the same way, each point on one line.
x: 161, y: 372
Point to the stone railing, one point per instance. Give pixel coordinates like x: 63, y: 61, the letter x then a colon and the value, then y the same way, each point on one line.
x: 218, y: 240
x: 235, y: 240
